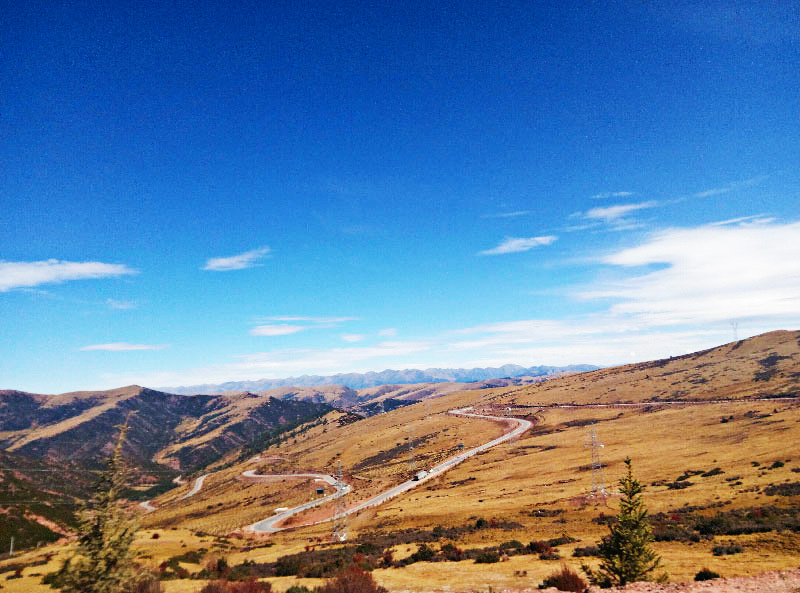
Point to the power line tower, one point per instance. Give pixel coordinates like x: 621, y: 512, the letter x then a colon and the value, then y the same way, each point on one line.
x: 339, y: 517
x: 379, y: 408
x: 735, y: 328
x: 598, y: 483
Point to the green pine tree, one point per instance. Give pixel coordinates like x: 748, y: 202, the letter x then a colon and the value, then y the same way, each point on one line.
x: 103, y: 561
x: 626, y: 555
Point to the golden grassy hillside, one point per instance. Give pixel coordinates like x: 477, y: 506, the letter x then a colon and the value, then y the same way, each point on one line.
x: 738, y: 461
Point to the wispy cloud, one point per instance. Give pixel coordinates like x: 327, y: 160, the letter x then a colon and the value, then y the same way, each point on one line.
x: 324, y: 320
x: 121, y: 305
x: 715, y: 191
x: 353, y: 337
x: 612, y: 194
x: 278, y: 329
x: 615, y: 213
x: 676, y: 292
x: 514, y: 214
x: 124, y: 347
x: 28, y: 274
x: 516, y: 245
x: 388, y: 332
x: 289, y: 325
x: 248, y: 259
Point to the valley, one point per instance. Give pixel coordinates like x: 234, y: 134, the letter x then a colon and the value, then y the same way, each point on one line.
x: 713, y: 436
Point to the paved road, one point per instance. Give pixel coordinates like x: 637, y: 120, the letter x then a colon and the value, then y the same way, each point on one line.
x: 269, y: 525
x: 198, y: 483
x: 147, y: 506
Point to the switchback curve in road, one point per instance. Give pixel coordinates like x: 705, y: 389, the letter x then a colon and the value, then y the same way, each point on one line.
x: 269, y: 525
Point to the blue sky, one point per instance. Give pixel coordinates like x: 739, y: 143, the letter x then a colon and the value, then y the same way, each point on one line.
x: 195, y: 192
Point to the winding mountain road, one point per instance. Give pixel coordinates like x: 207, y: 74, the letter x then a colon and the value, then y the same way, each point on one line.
x: 270, y: 524
x: 198, y: 483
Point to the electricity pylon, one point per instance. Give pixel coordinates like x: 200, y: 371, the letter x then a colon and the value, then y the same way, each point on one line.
x: 598, y: 483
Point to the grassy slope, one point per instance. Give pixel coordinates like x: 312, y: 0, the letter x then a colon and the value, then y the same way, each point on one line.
x: 547, y: 468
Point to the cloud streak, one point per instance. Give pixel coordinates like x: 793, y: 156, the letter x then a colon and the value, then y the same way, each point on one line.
x: 322, y: 320
x: 615, y: 213
x: 52, y: 271
x: 517, y: 245
x: 248, y: 259
x: 124, y: 347
x: 676, y: 292
x: 514, y: 214
x: 278, y: 329
x: 612, y: 194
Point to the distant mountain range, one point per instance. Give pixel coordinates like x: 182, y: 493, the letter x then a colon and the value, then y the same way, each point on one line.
x: 387, y: 377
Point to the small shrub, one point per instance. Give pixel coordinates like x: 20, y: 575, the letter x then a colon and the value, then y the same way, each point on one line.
x: 582, y: 552
x: 298, y: 589
x: 424, y: 554
x: 706, y: 575
x: 679, y: 485
x: 726, y: 549
x: 481, y: 523
x: 561, y: 541
x: 511, y: 545
x: 452, y: 553
x: 564, y: 580
x: 351, y: 580
x: 487, y: 558
x: 712, y: 472
x: 776, y: 464
x: 552, y: 555
x: 540, y: 547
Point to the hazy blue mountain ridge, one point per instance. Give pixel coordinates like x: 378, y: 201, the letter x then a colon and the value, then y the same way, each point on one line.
x: 387, y: 377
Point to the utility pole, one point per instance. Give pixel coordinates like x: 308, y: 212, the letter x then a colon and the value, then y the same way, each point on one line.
x: 598, y: 483
x: 339, y: 516
x: 11, y: 549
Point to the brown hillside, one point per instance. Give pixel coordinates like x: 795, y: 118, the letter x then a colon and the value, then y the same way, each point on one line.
x: 725, y: 457
x: 761, y: 367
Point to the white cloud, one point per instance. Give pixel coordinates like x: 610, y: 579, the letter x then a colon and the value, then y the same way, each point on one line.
x: 516, y: 245
x: 321, y: 320
x: 124, y: 347
x: 614, y: 213
x: 388, y: 332
x: 277, y: 329
x: 677, y: 293
x: 353, y: 337
x: 248, y: 259
x: 121, y: 305
x: 27, y: 274
x: 285, y: 363
x: 715, y: 191
x: 514, y: 214
x: 712, y: 192
x: 612, y: 194
x: 710, y: 274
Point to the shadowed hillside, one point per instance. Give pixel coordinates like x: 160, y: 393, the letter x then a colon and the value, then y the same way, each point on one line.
x: 181, y: 432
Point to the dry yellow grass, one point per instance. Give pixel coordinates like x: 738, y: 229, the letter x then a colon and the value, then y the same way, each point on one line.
x: 546, y: 468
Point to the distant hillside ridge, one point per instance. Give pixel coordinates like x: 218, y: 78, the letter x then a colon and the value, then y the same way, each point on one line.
x: 166, y: 430
x: 386, y: 377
